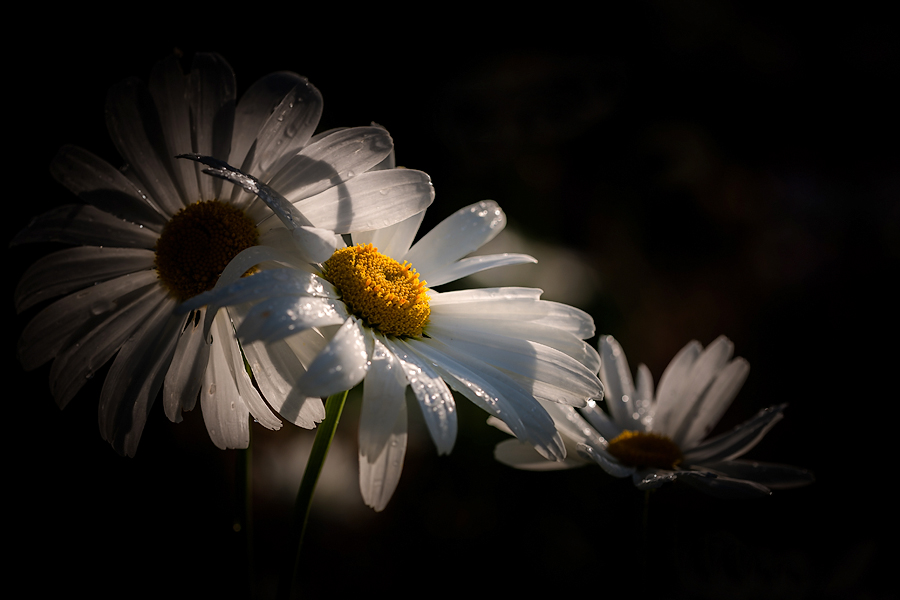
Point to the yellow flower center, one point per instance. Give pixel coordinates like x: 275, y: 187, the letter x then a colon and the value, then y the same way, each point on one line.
x: 639, y: 449
x: 387, y: 295
x: 197, y: 244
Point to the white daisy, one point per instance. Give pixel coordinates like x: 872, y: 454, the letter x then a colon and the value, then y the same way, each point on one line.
x: 366, y: 313
x: 159, y: 232
x: 660, y: 438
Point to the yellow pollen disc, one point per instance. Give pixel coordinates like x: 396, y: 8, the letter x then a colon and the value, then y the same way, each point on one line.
x: 387, y: 295
x: 638, y: 449
x: 197, y: 244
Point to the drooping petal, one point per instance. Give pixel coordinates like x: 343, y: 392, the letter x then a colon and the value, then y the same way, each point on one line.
x: 369, y: 201
x: 225, y: 413
x: 520, y: 455
x: 723, y: 487
x: 379, y: 475
x: 384, y: 396
x: 135, y: 377
x: 435, y: 398
x: 771, y: 475
x: 98, y: 183
x: 497, y: 394
x: 75, y: 268
x: 340, y: 365
x: 553, y: 337
x: 281, y: 316
x: 465, y: 231
x: 185, y: 375
x: 530, y: 360
x: 85, y: 225
x: 606, y: 461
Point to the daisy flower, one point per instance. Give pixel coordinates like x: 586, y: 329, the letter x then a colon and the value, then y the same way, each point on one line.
x: 158, y: 232
x: 660, y: 438
x: 369, y: 313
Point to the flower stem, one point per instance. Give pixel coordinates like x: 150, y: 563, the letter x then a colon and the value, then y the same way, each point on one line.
x: 324, y: 434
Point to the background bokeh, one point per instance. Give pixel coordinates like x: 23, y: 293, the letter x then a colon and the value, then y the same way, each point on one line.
x: 680, y: 170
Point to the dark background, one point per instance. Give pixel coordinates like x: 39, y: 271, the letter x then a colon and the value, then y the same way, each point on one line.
x: 705, y: 168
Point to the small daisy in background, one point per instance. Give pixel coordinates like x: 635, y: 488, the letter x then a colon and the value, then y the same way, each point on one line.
x: 659, y: 438
x: 368, y: 313
x: 157, y: 232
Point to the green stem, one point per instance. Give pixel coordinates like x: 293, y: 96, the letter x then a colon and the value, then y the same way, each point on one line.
x: 324, y: 434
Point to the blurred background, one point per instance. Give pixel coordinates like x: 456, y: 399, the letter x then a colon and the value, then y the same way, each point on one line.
x: 680, y: 169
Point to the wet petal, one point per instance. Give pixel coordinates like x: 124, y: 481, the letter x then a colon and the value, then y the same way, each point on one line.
x: 474, y: 264
x: 339, y: 366
x: 225, y: 413
x: 435, y: 399
x: 393, y: 240
x: 672, y: 381
x: 369, y: 201
x: 465, y: 231
x: 185, y: 375
x: 520, y: 455
x: 384, y: 396
x: 771, y: 475
x: 716, y: 401
x: 379, y: 475
x: 618, y: 384
x: 605, y: 460
x: 278, y: 317
x: 332, y: 160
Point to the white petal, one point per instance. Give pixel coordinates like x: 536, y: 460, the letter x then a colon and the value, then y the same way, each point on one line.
x: 185, y: 375
x: 693, y: 394
x: 97, y: 182
x: 255, y: 107
x: 167, y: 85
x: 738, y: 441
x: 280, y: 316
x: 672, y: 381
x: 384, y: 395
x: 618, y: 385
x: 528, y: 359
x: 332, y: 160
x: 50, y: 331
x: 135, y: 377
x: 212, y: 106
x: 520, y: 455
x: 224, y: 411
x: 606, y: 462
x: 276, y: 368
x: 75, y: 268
x: 378, y: 476
x: 435, y: 398
x: 83, y: 355
x: 134, y: 127
x: 393, y: 240
x: 85, y: 225
x: 465, y: 231
x: 473, y: 264
x: 339, y: 366
x: 716, y: 401
x: 369, y: 201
